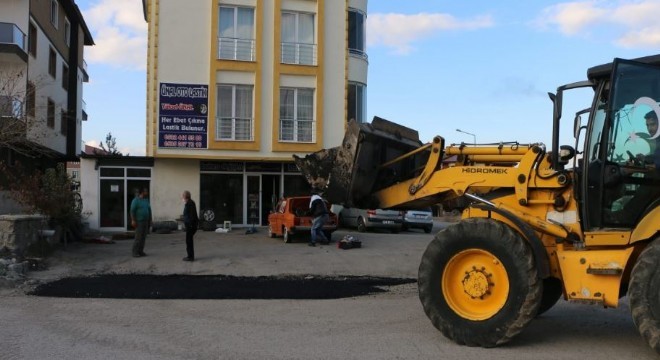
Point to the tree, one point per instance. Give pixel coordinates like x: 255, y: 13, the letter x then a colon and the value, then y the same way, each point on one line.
x: 110, y: 147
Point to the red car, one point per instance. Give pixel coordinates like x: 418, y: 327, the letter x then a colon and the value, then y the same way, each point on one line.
x: 292, y: 217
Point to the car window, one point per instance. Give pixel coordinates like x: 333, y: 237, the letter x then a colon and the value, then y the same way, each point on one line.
x: 282, y: 206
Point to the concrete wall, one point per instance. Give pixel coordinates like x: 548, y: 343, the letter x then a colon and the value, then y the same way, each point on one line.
x: 169, y: 178
x: 18, y: 232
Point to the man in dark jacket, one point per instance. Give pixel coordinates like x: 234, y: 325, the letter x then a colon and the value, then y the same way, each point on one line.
x: 319, y: 210
x: 191, y: 222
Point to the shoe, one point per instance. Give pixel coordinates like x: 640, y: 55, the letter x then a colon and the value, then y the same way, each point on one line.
x: 188, y: 259
x: 311, y: 244
x: 143, y: 254
x: 138, y: 255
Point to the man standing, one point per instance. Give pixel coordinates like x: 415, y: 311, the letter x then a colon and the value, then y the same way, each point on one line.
x: 320, y: 212
x: 141, y: 221
x: 191, y: 222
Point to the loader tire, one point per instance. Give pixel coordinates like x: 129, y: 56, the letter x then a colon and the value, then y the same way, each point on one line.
x: 478, y: 283
x: 644, y: 296
x: 552, y: 291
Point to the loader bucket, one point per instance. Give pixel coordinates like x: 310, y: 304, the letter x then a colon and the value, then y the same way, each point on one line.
x: 349, y: 174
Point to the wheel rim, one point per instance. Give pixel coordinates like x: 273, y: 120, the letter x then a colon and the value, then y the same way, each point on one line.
x: 285, y: 235
x: 361, y: 225
x: 270, y: 231
x: 475, y: 284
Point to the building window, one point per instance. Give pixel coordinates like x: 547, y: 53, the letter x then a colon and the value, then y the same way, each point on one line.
x: 74, y: 175
x: 234, y: 120
x: 64, y: 122
x: 65, y: 77
x: 67, y: 32
x: 357, y: 33
x: 297, y: 115
x: 54, y: 7
x: 32, y: 40
x: 50, y: 114
x: 356, y: 102
x: 298, y: 45
x: 52, y: 63
x: 236, y: 33
x: 30, y: 99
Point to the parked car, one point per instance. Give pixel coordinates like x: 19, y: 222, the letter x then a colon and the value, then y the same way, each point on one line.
x: 291, y: 217
x: 418, y: 219
x: 365, y: 220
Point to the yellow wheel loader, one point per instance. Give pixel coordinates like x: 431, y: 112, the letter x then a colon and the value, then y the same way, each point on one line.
x: 536, y: 229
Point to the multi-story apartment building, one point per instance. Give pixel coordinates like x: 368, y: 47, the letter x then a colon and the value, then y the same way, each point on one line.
x: 42, y: 73
x: 236, y: 87
x: 41, y: 44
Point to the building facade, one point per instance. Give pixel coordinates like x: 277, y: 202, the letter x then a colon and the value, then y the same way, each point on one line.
x: 42, y: 72
x: 236, y: 87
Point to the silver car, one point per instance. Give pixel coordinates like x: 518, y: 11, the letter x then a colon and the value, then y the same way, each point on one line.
x: 420, y: 219
x: 365, y: 220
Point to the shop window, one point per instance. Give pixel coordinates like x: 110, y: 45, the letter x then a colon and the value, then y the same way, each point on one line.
x: 222, y: 194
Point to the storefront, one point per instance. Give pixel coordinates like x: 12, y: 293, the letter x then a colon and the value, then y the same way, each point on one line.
x: 245, y: 192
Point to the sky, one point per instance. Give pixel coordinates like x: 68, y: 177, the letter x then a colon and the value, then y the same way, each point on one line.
x: 482, y: 66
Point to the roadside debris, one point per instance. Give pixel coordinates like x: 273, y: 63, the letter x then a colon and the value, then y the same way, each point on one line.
x: 349, y: 242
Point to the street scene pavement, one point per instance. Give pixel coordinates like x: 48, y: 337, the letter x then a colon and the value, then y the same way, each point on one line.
x: 385, y: 325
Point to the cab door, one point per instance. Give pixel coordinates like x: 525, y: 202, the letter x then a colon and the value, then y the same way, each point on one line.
x: 621, y: 178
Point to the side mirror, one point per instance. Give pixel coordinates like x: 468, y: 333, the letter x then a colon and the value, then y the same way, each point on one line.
x: 577, y: 123
x: 566, y: 153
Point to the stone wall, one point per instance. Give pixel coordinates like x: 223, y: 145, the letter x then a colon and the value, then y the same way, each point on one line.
x: 17, y: 232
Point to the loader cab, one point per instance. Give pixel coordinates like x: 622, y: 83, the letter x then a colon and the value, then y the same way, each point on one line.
x: 620, y: 172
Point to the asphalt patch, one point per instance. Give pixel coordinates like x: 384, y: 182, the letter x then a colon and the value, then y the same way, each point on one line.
x: 139, y: 286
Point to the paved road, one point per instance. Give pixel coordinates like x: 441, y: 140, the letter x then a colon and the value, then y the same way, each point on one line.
x: 385, y: 326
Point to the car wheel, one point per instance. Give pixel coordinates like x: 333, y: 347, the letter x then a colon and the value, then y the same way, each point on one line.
x: 428, y: 229
x: 395, y: 230
x: 286, y: 235
x: 361, y: 225
x: 405, y: 227
x: 271, y: 233
x: 478, y: 283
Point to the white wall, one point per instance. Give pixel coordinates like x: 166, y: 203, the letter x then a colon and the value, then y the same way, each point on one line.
x: 169, y: 178
x: 334, y: 61
x: 16, y: 12
x: 89, y: 191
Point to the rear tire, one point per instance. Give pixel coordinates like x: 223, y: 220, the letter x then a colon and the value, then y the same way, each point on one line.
x: 643, y: 294
x: 552, y: 291
x: 361, y: 225
x: 478, y: 283
x: 428, y: 229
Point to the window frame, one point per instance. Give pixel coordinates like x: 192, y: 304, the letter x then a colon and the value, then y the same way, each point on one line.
x: 32, y: 39
x: 236, y: 38
x: 296, y: 118
x: 54, y: 13
x: 52, y: 62
x: 297, y: 42
x: 30, y: 99
x: 50, y: 114
x: 359, y: 52
x: 359, y: 117
x: 219, y: 119
x: 67, y: 31
x: 65, y: 76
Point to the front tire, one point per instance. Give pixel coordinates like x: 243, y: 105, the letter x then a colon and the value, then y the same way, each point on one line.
x: 644, y: 297
x: 271, y: 233
x: 478, y: 283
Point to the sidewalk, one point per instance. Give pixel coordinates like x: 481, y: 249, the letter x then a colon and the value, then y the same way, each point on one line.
x: 235, y: 253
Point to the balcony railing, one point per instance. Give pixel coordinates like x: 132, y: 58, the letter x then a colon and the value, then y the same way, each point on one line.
x: 234, y: 129
x: 83, y: 106
x: 11, y: 34
x: 299, y: 53
x: 235, y: 49
x: 302, y: 131
x: 358, y: 53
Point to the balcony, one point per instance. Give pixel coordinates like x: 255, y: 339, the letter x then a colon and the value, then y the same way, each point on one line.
x: 299, y: 53
x: 235, y: 49
x: 360, y: 54
x: 234, y: 129
x: 298, y: 131
x: 13, y: 42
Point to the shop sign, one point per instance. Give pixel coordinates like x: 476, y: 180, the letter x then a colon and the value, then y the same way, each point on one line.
x: 291, y: 168
x: 221, y: 166
x: 183, y: 116
x: 263, y: 167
